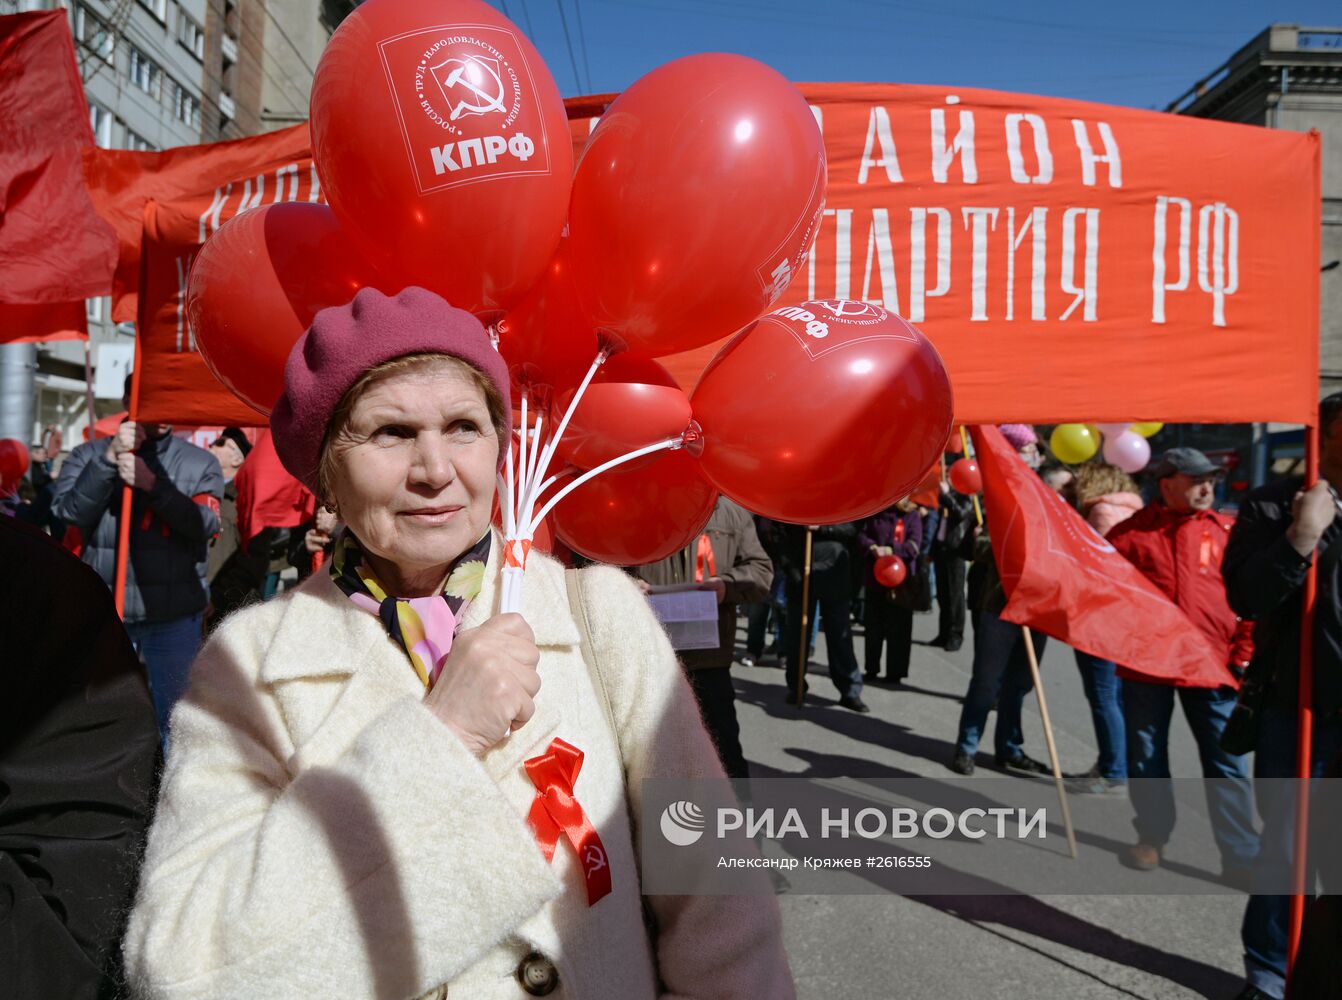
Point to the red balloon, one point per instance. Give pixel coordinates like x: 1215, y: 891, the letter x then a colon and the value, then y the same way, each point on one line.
x: 823, y: 412
x: 955, y: 444
x: 547, y: 339
x: 628, y: 518
x: 696, y: 202
x: 257, y: 283
x: 632, y: 402
x: 890, y: 571
x: 443, y: 146
x: 13, y: 464
x: 965, y: 476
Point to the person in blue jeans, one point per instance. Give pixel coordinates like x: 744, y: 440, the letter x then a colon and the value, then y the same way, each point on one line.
x: 1105, y: 496
x: 1282, y: 528
x: 1001, y: 669
x: 1178, y: 543
x: 1104, y: 692
x: 176, y: 493
x: 1001, y: 677
x: 1149, y: 709
x: 830, y: 594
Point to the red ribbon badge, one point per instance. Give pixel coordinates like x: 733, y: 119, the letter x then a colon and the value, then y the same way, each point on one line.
x: 555, y: 811
x: 515, y: 553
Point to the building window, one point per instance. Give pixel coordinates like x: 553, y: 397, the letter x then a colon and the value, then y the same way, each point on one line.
x: 101, y: 120
x: 145, y: 73
x: 185, y: 107
x: 94, y: 34
x: 159, y: 8
x: 93, y: 310
x: 138, y: 142
x: 190, y: 34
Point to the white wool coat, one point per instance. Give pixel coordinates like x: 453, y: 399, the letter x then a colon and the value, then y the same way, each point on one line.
x: 321, y: 834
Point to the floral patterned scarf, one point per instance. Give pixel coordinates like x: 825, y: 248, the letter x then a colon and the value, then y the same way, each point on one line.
x: 423, y: 626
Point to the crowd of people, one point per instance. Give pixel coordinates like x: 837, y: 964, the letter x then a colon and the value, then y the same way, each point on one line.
x: 190, y: 572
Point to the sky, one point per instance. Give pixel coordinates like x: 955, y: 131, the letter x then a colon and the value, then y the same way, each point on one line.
x: 1137, y: 53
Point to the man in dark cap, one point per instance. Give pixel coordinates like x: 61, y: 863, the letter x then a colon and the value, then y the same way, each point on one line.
x: 1179, y: 542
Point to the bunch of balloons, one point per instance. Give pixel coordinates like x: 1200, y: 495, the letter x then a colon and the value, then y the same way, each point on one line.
x: 444, y: 150
x: 1124, y: 445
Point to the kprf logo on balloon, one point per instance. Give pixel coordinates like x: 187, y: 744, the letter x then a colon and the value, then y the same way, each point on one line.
x: 826, y: 325
x: 682, y: 823
x: 466, y: 102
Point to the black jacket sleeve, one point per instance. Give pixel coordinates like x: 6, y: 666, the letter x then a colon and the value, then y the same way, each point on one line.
x: 87, y: 486
x: 1261, y: 568
x: 78, y: 750
x: 184, y: 517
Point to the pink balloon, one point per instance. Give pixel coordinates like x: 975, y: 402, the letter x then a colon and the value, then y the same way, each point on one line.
x: 1129, y: 451
x: 1112, y: 430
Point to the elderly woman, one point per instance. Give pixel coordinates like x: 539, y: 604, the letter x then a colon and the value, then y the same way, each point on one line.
x: 345, y: 812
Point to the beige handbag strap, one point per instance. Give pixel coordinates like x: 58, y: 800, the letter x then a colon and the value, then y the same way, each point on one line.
x: 578, y: 607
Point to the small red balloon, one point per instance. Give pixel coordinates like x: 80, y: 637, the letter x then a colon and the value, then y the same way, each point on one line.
x: 442, y: 144
x: 890, y: 571
x: 256, y: 285
x: 823, y: 412
x: 13, y: 464
x: 632, y: 402
x: 696, y: 202
x: 965, y: 476
x: 628, y: 518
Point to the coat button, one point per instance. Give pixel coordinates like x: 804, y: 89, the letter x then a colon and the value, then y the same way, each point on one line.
x: 537, y: 974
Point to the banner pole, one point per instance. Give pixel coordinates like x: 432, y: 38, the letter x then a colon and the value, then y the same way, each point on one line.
x: 127, y: 495
x: 964, y: 444
x: 1048, y: 739
x: 803, y: 643
x: 1305, y: 727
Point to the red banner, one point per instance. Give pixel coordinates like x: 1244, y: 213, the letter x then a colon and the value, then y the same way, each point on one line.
x: 222, y: 178
x: 54, y: 251
x: 176, y: 385
x: 1071, y: 261
x: 1062, y: 578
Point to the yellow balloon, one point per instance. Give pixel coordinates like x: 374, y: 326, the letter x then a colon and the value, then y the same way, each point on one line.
x: 1148, y: 429
x: 1072, y: 444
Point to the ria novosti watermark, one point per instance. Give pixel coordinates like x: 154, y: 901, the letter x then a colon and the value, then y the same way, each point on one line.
x: 981, y: 836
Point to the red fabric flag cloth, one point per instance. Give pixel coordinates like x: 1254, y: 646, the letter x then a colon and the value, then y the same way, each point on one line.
x: 217, y: 180
x: 268, y: 497
x: 53, y: 246
x: 1062, y: 578
x: 29, y: 322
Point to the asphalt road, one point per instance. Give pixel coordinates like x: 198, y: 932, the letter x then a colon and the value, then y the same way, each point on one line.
x: 947, y: 947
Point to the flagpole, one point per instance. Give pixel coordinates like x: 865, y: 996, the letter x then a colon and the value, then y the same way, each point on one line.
x: 803, y: 644
x: 1039, y: 691
x: 1048, y: 739
x: 1305, y: 728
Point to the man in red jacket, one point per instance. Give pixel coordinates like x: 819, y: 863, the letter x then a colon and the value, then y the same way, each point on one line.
x: 1178, y: 542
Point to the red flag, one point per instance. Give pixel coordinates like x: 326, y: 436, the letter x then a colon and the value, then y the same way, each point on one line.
x: 1062, y: 578
x: 268, y: 497
x: 53, y: 247
x: 220, y: 178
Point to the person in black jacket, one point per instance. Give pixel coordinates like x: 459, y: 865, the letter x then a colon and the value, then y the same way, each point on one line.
x: 78, y: 750
x: 957, y: 517
x: 831, y: 596
x: 1281, y: 529
x: 177, y: 489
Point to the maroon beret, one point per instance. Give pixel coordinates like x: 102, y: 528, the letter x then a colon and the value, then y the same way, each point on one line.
x: 346, y: 341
